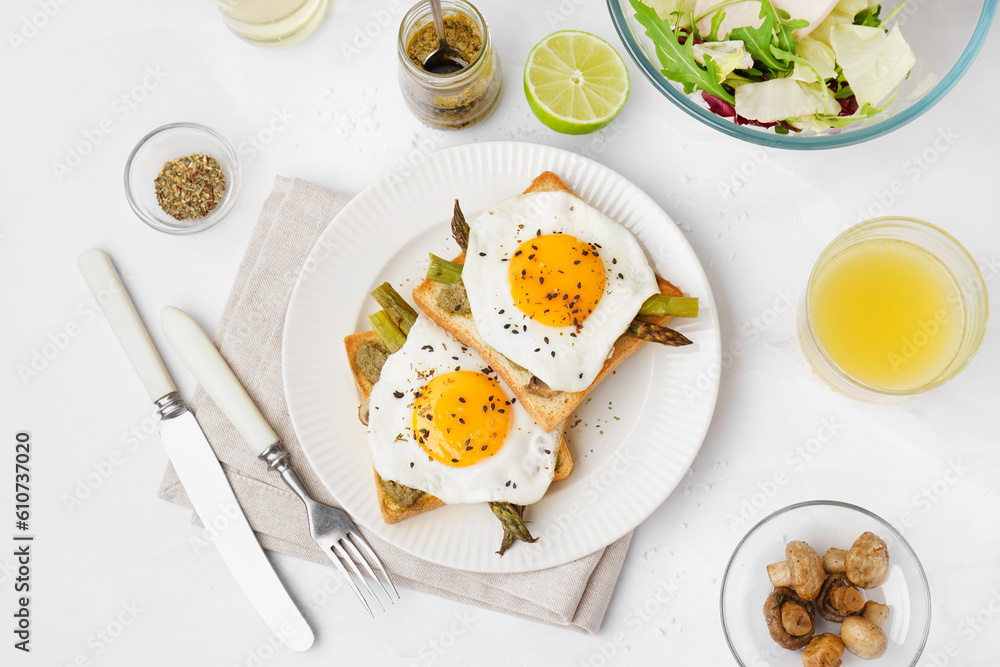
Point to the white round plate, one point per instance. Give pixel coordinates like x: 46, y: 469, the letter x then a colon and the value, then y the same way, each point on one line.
x: 634, y: 437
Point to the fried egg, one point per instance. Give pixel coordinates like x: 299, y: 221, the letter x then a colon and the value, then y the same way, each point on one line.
x: 441, y: 421
x: 552, y: 283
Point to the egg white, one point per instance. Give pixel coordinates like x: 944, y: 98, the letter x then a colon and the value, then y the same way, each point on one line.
x: 563, y: 357
x: 519, y: 472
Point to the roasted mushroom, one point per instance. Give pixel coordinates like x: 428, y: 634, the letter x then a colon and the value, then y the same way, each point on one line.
x: 790, y: 619
x: 866, y: 564
x: 839, y: 599
x: 823, y: 651
x: 863, y: 635
x: 802, y: 570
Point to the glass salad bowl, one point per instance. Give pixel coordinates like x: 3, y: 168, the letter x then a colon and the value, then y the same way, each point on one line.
x: 945, y: 38
x: 822, y: 524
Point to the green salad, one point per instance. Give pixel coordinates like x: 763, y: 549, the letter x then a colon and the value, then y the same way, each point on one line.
x: 790, y: 65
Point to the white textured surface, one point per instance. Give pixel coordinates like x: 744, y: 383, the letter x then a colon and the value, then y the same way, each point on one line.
x: 122, y: 578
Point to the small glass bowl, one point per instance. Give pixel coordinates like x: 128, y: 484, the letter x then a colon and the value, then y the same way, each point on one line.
x: 970, y: 294
x: 168, y: 143
x: 822, y: 524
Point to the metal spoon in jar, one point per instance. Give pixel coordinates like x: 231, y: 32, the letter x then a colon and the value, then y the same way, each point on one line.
x: 443, y: 59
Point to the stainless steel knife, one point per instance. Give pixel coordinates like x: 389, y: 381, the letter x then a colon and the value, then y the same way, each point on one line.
x: 195, y: 462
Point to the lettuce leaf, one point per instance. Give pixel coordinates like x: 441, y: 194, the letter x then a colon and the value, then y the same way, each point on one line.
x: 874, y: 61
x: 666, y: 8
x: 844, y: 12
x: 779, y: 99
x: 820, y: 60
x: 728, y: 56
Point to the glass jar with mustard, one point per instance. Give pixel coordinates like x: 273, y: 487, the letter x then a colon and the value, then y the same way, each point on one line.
x: 448, y: 100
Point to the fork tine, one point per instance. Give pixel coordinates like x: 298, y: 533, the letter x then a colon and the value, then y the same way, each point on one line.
x: 349, y: 543
x: 372, y: 556
x: 347, y: 575
x: 354, y: 568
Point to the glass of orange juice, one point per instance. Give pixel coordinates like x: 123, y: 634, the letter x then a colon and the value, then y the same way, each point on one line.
x: 894, y: 307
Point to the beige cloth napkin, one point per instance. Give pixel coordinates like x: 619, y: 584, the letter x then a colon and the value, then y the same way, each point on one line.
x: 574, y: 595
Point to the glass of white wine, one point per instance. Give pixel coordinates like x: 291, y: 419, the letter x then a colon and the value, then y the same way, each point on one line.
x: 272, y: 22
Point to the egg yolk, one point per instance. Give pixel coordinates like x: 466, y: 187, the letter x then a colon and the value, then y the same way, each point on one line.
x: 461, y: 418
x: 556, y: 279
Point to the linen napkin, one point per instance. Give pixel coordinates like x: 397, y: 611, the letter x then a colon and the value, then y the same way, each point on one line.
x: 574, y: 595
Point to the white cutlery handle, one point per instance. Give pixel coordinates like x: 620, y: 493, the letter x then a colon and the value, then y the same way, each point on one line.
x: 205, y: 362
x: 103, y: 280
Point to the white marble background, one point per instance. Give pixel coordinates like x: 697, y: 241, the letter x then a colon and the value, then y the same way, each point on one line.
x: 119, y: 577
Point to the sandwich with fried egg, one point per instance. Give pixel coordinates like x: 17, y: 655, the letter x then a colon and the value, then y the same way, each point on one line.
x: 553, y: 294
x: 442, y: 428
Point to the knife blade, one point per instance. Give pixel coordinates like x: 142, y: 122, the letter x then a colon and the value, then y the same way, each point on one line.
x: 195, y: 462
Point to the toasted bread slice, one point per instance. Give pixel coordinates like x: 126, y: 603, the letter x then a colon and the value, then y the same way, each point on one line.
x: 395, y: 508
x: 548, y: 407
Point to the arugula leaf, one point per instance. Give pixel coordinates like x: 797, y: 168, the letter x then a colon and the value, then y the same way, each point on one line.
x: 758, y: 43
x: 867, y: 111
x: 677, y: 58
x: 713, y: 35
x: 791, y: 57
x: 781, y: 25
x: 869, y: 17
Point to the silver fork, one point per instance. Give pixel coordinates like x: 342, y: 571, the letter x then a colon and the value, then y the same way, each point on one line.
x: 332, y: 528
x: 334, y: 532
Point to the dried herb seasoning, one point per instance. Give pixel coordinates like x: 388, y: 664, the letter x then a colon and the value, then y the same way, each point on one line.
x: 460, y: 33
x: 189, y: 187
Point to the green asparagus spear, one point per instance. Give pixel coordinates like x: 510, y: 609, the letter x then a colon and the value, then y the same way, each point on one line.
x: 387, y: 330
x: 460, y: 228
x: 401, y: 312
x: 512, y: 518
x: 443, y: 271
x: 659, y: 305
x: 657, y: 333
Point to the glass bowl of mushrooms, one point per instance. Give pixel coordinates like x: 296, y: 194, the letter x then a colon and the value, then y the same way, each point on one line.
x: 823, y: 584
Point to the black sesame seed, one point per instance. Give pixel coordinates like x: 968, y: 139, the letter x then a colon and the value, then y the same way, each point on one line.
x: 514, y: 485
x: 506, y: 326
x: 538, y: 349
x: 614, y: 260
x: 461, y: 421
x: 454, y: 460
x: 553, y: 354
x: 548, y: 451
x: 576, y: 261
x: 485, y: 408
x: 546, y: 339
x: 397, y: 394
x: 482, y: 254
x: 500, y: 312
x: 461, y: 399
x: 620, y: 276
x: 411, y: 464
x: 484, y: 447
x: 457, y: 308
x: 508, y: 483
x: 429, y: 348
x: 468, y: 448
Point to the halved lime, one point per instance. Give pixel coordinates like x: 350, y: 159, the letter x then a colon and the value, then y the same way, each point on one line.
x: 575, y: 82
